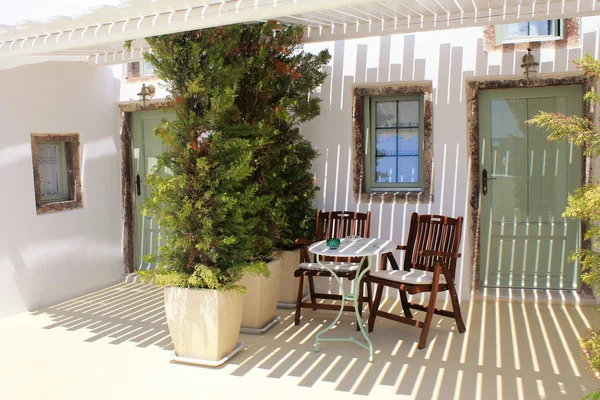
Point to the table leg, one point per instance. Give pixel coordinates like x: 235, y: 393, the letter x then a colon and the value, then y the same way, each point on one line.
x: 359, y: 320
x: 339, y: 315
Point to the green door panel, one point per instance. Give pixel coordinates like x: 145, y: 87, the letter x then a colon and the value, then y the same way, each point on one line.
x: 146, y: 148
x: 525, y: 241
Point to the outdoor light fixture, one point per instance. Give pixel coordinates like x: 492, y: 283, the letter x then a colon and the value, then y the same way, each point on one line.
x: 530, y: 66
x: 146, y: 94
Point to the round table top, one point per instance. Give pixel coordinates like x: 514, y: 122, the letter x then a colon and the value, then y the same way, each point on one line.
x: 354, y: 247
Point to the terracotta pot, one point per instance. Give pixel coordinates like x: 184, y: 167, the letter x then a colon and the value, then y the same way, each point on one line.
x: 260, y: 300
x: 204, y: 324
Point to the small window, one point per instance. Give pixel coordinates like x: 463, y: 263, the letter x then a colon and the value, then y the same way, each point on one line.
x: 535, y: 31
x: 146, y: 68
x: 394, y: 143
x: 56, y: 172
x: 52, y: 168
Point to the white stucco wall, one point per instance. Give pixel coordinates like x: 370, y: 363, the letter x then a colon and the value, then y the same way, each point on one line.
x: 45, y: 259
x: 447, y: 59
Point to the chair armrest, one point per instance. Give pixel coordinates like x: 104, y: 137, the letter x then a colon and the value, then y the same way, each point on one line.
x: 401, y: 247
x: 304, y: 242
x: 385, y: 257
x: 438, y: 254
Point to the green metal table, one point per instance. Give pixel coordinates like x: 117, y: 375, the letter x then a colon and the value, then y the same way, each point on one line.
x: 361, y: 248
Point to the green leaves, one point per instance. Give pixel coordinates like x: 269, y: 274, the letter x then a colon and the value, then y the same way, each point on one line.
x: 236, y: 178
x: 584, y: 204
x: 578, y: 130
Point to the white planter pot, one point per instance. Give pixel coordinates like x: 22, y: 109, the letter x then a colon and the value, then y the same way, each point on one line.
x: 260, y: 300
x: 288, y: 286
x: 204, y: 324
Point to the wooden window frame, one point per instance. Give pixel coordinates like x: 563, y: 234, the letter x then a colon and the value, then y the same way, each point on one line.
x: 361, y: 96
x: 63, y: 186
x: 502, y: 38
x: 371, y: 185
x: 144, y: 71
x: 71, y: 192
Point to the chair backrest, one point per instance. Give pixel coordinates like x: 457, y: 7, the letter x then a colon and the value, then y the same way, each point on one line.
x: 341, y: 224
x: 432, y: 232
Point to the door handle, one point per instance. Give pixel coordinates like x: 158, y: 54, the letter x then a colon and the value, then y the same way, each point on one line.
x: 485, y: 179
x: 138, y: 186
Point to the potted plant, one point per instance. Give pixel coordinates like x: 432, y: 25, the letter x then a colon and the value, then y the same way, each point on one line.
x: 203, y: 193
x: 213, y: 191
x: 273, y: 96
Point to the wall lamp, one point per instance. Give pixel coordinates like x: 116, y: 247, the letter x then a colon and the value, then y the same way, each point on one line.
x: 146, y: 94
x: 530, y: 66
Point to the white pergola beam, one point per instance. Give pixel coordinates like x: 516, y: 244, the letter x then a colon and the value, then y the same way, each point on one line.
x: 161, y: 22
x: 326, y: 20
x: 565, y: 9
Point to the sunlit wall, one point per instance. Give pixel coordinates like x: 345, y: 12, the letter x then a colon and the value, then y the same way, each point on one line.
x: 447, y: 59
x: 45, y: 259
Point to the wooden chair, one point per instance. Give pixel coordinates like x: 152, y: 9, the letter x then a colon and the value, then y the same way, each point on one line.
x: 429, y: 266
x: 332, y: 224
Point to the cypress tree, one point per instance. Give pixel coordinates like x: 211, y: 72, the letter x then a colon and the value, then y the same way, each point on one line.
x: 235, y: 179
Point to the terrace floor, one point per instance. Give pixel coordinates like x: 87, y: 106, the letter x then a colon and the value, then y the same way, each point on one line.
x: 114, y: 344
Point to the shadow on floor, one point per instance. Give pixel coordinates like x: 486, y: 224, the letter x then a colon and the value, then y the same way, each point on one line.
x: 510, y: 350
x: 127, y: 312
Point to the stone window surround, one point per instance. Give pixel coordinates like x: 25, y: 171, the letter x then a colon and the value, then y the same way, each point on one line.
x: 473, y: 88
x: 75, y: 198
x: 359, y: 93
x: 571, y: 29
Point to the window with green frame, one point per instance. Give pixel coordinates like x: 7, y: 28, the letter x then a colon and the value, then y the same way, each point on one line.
x: 146, y: 68
x: 52, y: 168
x: 394, y: 159
x: 534, y: 31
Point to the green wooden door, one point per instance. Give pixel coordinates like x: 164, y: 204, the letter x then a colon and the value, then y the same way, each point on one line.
x: 525, y: 241
x: 146, y: 148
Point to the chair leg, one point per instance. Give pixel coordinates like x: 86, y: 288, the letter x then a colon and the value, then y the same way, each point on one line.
x: 373, y: 313
x: 428, y: 315
x: 360, y: 295
x: 299, y: 299
x: 311, y: 288
x: 405, y: 304
x: 369, y: 294
x: 460, y: 324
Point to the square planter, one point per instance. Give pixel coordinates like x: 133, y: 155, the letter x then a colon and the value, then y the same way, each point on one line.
x: 260, y: 300
x: 204, y: 324
x: 288, y: 286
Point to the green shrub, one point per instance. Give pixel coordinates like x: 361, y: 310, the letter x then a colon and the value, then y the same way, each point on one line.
x: 235, y: 177
x: 584, y: 204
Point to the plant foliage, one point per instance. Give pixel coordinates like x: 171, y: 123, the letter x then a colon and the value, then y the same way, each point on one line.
x: 235, y: 180
x: 584, y: 204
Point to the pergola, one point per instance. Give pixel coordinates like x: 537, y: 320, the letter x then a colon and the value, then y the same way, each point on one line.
x: 98, y: 35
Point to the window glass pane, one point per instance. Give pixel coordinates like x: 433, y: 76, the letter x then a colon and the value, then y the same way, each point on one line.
x: 386, y: 142
x: 49, y: 169
x: 408, y: 142
x: 397, y: 141
x: 519, y: 29
x: 526, y: 29
x: 408, y: 169
x: 385, y: 114
x: 408, y: 150
x: 408, y: 113
x: 147, y: 68
x: 539, y: 28
x: 385, y: 170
